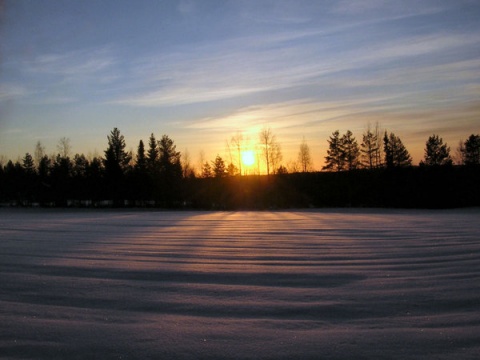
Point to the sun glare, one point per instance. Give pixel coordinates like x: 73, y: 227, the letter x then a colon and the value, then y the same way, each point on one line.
x: 248, y: 157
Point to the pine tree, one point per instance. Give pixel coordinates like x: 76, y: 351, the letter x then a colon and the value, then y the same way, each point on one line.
x: 349, y: 150
x: 470, y: 150
x: 170, y: 174
x: 28, y: 164
x: 219, y: 169
x: 141, y: 160
x: 169, y: 157
x: 396, y: 155
x: 117, y: 163
x: 436, y: 152
x: 116, y: 160
x: 152, y: 154
x: 334, y: 160
x: 206, y: 170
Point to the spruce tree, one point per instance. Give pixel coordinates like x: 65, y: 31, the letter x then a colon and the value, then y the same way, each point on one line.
x: 219, y: 169
x: 349, y: 150
x: 396, y: 155
x: 334, y: 160
x: 141, y: 160
x: 116, y: 160
x: 436, y: 152
x: 152, y: 154
x: 470, y: 150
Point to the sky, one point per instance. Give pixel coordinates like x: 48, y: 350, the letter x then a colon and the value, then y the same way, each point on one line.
x: 203, y: 71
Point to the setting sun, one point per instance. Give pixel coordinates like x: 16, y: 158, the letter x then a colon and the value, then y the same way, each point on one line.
x: 248, y: 157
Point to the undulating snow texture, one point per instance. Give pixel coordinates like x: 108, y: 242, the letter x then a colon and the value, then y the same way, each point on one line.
x: 363, y: 284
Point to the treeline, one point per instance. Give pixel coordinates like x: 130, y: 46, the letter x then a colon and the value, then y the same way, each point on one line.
x: 376, y: 173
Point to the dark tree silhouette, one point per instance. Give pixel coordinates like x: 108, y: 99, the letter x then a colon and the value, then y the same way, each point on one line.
x: 396, y: 155
x: 170, y: 170
x: 152, y: 154
x: 334, y: 160
x: 44, y: 167
x: 470, y: 150
x: 436, y: 152
x: 29, y: 164
x: 219, y: 169
x: 116, y: 164
x: 116, y: 159
x: 61, y: 175
x: 370, y: 149
x: 80, y: 165
x: 349, y: 150
x: 207, y: 170
x: 141, y: 160
x: 343, y: 152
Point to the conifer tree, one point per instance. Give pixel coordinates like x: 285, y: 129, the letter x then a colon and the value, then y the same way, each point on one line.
x: 28, y: 164
x: 349, y: 150
x: 116, y: 160
x: 141, y: 160
x: 436, y: 152
x: 470, y: 150
x: 219, y: 169
x: 152, y: 154
x: 334, y: 160
x: 396, y: 155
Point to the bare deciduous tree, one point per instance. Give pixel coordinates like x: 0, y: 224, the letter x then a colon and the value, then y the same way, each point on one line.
x: 237, y: 141
x: 371, y: 148
x: 271, y: 150
x: 39, y: 152
x: 64, y: 148
x: 304, y: 157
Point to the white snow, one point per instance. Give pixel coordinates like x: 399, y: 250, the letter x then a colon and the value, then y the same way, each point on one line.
x: 333, y: 284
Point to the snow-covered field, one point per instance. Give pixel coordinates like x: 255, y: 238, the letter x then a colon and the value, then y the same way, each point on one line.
x: 332, y: 284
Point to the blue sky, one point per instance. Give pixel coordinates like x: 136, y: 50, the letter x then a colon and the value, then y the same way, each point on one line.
x: 201, y: 71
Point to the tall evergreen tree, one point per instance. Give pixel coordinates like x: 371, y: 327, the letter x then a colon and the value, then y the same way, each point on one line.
x: 169, y: 157
x: 29, y: 178
x: 44, y: 167
x: 349, y: 150
x: 170, y: 171
x: 396, y: 155
x: 61, y: 175
x: 80, y: 165
x: 29, y: 164
x: 334, y: 160
x: 436, y: 152
x: 219, y: 169
x: 470, y: 150
x: 152, y: 154
x: 116, y: 160
x: 343, y: 152
x: 141, y: 160
x: 206, y: 170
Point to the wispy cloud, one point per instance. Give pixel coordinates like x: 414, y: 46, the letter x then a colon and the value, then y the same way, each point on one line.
x: 74, y: 65
x: 385, y: 9
x: 10, y: 91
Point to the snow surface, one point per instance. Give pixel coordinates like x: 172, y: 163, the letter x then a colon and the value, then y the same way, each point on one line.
x: 333, y: 284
